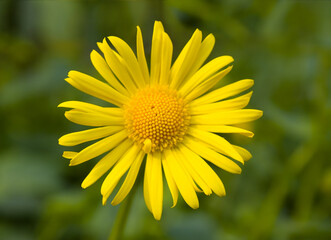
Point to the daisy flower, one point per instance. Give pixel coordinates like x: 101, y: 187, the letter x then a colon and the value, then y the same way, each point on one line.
x: 166, y: 116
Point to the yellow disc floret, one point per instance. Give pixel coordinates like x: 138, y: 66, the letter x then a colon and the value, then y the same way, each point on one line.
x: 157, y: 118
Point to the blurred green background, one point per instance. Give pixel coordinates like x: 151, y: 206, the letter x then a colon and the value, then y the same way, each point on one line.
x: 284, y: 192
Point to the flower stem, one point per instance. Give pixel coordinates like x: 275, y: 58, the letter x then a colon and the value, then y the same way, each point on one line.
x: 121, y: 218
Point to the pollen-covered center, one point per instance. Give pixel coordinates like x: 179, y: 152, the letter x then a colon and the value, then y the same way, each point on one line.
x: 157, y: 118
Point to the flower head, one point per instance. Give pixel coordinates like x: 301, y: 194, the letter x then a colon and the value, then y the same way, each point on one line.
x: 166, y: 116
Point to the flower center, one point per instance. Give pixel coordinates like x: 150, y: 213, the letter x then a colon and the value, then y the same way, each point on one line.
x: 157, y: 118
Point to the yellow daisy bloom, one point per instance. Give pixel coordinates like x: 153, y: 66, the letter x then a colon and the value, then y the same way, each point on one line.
x: 164, y: 116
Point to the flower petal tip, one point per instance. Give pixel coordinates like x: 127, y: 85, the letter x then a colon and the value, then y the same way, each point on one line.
x: 230, y: 57
x: 195, y: 207
x: 157, y: 217
x: 259, y: 113
x: 93, y: 53
x: 174, y: 204
x: 112, y: 38
x: 72, y: 73
x: 99, y: 44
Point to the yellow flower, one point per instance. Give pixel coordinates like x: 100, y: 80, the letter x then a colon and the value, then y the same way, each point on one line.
x: 164, y: 114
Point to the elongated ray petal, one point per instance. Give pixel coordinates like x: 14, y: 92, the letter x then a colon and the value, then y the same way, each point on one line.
x: 206, y: 85
x: 156, y: 185
x: 185, y: 60
x: 217, y: 142
x: 95, y: 88
x: 166, y: 57
x: 170, y: 180
x: 69, y: 154
x: 186, y: 171
x: 212, y: 156
x: 185, y: 187
x: 156, y: 52
x: 126, y: 53
x: 88, y: 107
x: 192, y: 171
x: 141, y: 56
x: 147, y: 180
x: 102, y: 67
x: 224, y: 92
x: 206, y: 47
x: 129, y: 180
x: 98, y: 148
x: 204, y: 170
x: 246, y: 155
x: 118, y: 171
x: 76, y: 138
x: 92, y: 119
x: 228, y: 117
x: 204, y: 73
x: 117, y: 67
x: 225, y: 129
x: 226, y: 105
x: 106, y: 163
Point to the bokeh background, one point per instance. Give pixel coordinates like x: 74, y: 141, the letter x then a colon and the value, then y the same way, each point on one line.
x: 284, y: 192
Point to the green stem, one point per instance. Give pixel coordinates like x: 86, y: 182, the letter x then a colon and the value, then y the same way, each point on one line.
x: 121, y: 218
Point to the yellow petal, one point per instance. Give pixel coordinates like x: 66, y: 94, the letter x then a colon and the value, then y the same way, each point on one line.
x: 110, y: 191
x: 204, y: 170
x: 204, y: 73
x: 141, y: 56
x: 156, y: 185
x: 170, y: 180
x: 116, y: 64
x: 208, y: 84
x: 246, y: 155
x: 212, y: 156
x: 69, y: 154
x: 156, y: 52
x: 92, y: 119
x: 226, y: 105
x: 186, y: 171
x: 106, y: 163
x: 76, y: 138
x: 129, y: 180
x: 225, y: 129
x: 102, y: 67
x: 166, y: 58
x: 192, y: 171
x: 217, y: 142
x: 184, y: 185
x: 127, y: 54
x: 118, y: 171
x: 88, y: 107
x: 98, y: 148
x: 185, y: 60
x: 96, y: 88
x: 228, y: 117
x: 147, y: 180
x: 206, y: 47
x: 224, y: 92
